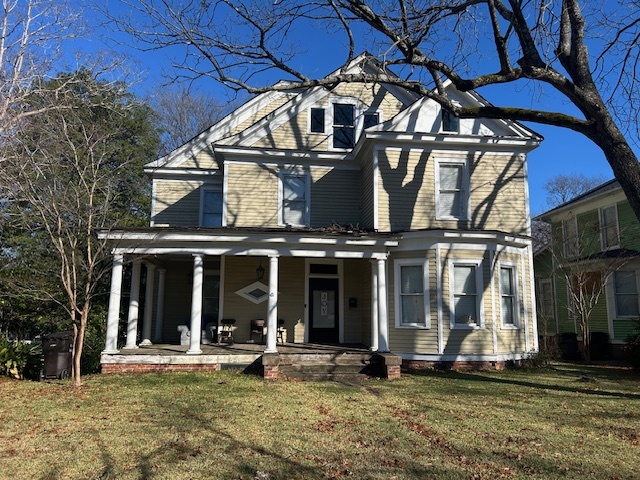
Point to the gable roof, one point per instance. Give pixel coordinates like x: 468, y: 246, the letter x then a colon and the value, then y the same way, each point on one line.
x: 603, y: 189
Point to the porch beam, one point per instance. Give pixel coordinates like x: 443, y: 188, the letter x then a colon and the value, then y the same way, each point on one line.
x: 162, y: 275
x: 115, y: 295
x: 134, y: 305
x: 148, y: 305
x: 196, y: 306
x: 272, y: 306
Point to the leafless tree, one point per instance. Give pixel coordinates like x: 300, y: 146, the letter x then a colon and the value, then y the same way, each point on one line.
x: 182, y: 113
x: 471, y: 43
x: 562, y: 188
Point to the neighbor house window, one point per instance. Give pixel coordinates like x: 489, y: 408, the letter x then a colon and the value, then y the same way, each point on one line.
x: 343, y: 125
x: 570, y: 235
x: 450, y: 123
x: 465, y: 280
x: 211, y: 208
x: 609, y: 227
x: 295, y: 199
x: 508, y: 296
x: 625, y: 287
x: 451, y: 201
x: 316, y: 120
x: 411, y: 294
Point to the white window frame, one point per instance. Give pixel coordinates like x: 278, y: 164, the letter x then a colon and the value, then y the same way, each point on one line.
x: 327, y: 119
x: 603, y: 235
x: 411, y: 262
x: 478, y: 264
x: 615, y: 294
x: 210, y: 189
x: 294, y: 173
x: 567, y: 244
x: 464, y: 188
x: 516, y: 295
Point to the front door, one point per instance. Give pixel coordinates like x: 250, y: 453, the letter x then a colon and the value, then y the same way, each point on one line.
x: 323, y: 310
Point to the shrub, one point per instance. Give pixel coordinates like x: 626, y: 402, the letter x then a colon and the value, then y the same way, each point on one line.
x: 633, y: 347
x: 20, y: 360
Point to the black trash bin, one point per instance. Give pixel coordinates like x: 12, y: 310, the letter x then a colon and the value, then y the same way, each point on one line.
x: 56, y: 349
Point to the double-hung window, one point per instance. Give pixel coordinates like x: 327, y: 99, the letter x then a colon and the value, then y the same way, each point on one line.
x: 465, y: 286
x: 625, y: 288
x: 508, y: 296
x: 570, y: 236
x: 609, y: 227
x: 294, y: 199
x: 344, y: 125
x: 412, y: 293
x: 211, y: 208
x: 452, y: 187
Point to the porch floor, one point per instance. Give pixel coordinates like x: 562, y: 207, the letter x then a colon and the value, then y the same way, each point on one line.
x: 244, y: 349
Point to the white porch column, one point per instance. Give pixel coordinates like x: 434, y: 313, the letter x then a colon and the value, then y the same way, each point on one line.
x: 134, y: 303
x: 196, y: 306
x: 272, y: 306
x: 115, y: 294
x: 374, y: 307
x: 162, y: 275
x: 383, y: 313
x: 148, y: 305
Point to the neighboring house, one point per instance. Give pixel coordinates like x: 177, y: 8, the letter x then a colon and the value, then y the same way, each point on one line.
x: 361, y: 214
x: 595, y: 235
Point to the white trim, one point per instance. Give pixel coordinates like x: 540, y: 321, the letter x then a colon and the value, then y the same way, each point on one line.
x: 154, y: 195
x: 317, y: 107
x: 478, y: 264
x: 532, y: 302
x: 225, y: 193
x: 464, y: 187
x: 376, y: 208
x: 603, y: 233
x: 223, y: 268
x: 494, y: 320
x: 300, y: 173
x: 461, y: 357
x: 439, y: 294
x: 516, y: 295
x: 525, y: 184
x: 397, y: 266
x: 209, y: 188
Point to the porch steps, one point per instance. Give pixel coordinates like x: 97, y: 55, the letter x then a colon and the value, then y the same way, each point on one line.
x: 346, y: 368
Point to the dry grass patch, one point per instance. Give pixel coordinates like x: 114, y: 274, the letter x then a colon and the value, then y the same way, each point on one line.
x: 563, y: 422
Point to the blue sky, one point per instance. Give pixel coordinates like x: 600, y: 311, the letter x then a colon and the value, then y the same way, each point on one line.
x: 562, y: 152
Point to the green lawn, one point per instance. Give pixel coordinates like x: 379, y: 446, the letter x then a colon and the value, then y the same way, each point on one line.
x: 566, y: 421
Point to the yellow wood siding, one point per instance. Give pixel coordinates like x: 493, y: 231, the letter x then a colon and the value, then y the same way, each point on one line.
x: 176, y: 203
x: 204, y: 160
x: 407, y: 191
x: 258, y: 115
x: 367, y: 189
x: 335, y: 197
x: 252, y: 196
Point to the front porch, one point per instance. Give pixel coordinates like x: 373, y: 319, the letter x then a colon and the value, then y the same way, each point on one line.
x: 291, y: 360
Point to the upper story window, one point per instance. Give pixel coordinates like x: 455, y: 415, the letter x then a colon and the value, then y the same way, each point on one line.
x: 344, y: 125
x: 411, y: 293
x: 465, y: 286
x: 570, y: 237
x: 509, y: 296
x: 294, y: 194
x: 451, y: 190
x: 370, y: 119
x: 316, y: 120
x: 450, y: 123
x: 609, y: 233
x: 210, y: 208
x: 625, y: 288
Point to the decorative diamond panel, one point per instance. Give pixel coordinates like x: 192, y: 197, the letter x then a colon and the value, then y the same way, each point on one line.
x: 257, y: 292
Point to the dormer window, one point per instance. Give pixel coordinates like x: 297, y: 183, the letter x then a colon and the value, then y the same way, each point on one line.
x: 370, y: 119
x: 316, y: 123
x: 450, y: 123
x: 344, y: 125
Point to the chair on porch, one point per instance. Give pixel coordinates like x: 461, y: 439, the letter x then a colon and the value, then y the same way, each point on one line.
x: 281, y: 331
x: 226, y: 334
x: 257, y: 327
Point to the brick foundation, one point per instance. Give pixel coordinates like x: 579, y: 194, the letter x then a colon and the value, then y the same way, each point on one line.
x: 150, y: 368
x: 429, y: 365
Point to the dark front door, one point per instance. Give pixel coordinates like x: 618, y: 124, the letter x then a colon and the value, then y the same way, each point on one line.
x: 323, y: 310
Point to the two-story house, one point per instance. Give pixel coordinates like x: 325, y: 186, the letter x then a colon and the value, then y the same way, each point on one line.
x: 596, y: 237
x: 361, y: 214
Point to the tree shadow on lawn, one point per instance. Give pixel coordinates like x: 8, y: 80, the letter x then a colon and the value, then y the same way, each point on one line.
x: 582, y: 374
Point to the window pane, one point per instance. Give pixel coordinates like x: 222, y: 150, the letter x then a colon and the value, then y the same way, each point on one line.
x: 412, y: 279
x: 625, y: 282
x: 413, y: 309
x: 507, y: 310
x: 317, y: 120
x: 506, y: 281
x: 450, y: 204
x: 371, y: 119
x: 294, y: 213
x: 450, y: 177
x: 343, y: 137
x: 465, y: 309
x: 450, y: 123
x: 343, y: 114
x: 464, y: 279
x: 212, y: 209
x: 294, y: 187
